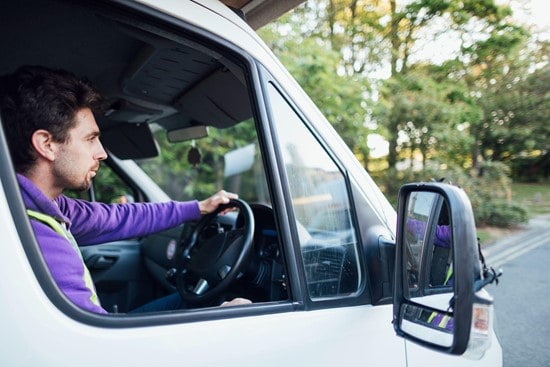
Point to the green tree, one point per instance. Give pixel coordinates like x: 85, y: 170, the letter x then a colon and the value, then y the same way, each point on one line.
x: 316, y: 67
x: 516, y: 105
x: 408, y: 24
x: 431, y: 114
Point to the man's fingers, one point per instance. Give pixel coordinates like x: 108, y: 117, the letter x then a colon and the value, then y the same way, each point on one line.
x: 236, y: 302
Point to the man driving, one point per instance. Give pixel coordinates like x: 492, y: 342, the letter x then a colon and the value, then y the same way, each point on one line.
x: 48, y: 116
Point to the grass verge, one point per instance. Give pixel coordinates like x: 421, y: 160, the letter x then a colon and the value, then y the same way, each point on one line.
x: 534, y: 197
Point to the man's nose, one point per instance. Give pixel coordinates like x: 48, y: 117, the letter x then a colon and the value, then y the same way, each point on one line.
x: 101, y: 154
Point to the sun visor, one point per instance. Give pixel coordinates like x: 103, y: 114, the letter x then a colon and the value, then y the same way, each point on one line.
x: 130, y: 141
x: 221, y: 100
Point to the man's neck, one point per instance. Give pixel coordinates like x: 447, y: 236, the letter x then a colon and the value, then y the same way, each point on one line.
x: 43, y: 181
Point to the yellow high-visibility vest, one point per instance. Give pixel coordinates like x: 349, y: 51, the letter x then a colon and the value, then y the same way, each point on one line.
x: 60, y: 229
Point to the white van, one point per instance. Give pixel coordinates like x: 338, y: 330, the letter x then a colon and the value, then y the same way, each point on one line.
x: 198, y: 102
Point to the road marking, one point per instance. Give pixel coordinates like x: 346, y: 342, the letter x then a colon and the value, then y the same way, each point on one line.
x: 498, y: 255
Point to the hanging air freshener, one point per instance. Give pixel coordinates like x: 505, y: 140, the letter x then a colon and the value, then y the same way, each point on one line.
x: 194, y: 156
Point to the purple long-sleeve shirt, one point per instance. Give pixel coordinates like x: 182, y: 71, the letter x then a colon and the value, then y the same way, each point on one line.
x: 94, y: 223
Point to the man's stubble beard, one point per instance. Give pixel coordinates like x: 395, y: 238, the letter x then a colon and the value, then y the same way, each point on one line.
x: 67, y: 180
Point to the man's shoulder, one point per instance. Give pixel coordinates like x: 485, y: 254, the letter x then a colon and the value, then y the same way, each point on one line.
x: 35, y: 199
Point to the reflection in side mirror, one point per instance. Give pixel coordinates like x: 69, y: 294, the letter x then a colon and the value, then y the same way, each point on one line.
x: 437, y: 265
x: 428, y: 238
x: 423, y: 323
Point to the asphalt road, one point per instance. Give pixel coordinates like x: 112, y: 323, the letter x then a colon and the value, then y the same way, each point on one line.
x: 522, y: 297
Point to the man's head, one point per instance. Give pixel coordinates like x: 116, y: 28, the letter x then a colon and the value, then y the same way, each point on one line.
x: 34, y: 98
x: 48, y: 120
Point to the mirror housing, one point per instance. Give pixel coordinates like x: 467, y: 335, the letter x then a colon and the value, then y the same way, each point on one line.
x: 437, y: 266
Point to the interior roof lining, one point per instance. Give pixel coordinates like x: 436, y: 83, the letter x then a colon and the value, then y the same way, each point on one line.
x: 59, y: 36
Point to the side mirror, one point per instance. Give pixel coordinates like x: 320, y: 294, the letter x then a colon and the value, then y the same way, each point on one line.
x: 436, y: 303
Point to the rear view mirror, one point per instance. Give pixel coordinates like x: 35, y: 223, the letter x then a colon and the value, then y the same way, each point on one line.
x: 437, y: 266
x: 187, y: 133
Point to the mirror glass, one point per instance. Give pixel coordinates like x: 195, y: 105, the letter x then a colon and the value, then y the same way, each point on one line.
x: 428, y: 239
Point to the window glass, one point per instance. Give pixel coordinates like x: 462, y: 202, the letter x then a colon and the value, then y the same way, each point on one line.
x: 227, y: 158
x: 321, y: 206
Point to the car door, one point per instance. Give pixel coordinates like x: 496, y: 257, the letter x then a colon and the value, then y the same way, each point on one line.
x: 326, y: 243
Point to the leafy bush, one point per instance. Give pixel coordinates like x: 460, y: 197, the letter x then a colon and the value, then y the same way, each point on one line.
x: 500, y: 214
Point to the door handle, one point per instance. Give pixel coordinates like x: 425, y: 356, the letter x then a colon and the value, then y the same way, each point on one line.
x: 101, y: 262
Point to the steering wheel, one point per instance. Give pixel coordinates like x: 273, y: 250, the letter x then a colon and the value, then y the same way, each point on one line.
x: 212, y: 257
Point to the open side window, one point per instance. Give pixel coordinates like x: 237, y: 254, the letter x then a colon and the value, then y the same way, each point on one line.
x: 179, y: 123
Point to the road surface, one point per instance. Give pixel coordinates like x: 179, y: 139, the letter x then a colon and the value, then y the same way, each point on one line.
x: 522, y: 297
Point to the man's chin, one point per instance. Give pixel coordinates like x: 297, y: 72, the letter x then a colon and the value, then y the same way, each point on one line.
x: 82, y: 188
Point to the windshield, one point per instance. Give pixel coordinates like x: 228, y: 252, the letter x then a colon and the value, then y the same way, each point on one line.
x: 226, y: 159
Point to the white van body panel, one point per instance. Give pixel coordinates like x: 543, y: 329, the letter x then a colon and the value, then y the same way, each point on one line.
x: 417, y: 356
x: 36, y: 333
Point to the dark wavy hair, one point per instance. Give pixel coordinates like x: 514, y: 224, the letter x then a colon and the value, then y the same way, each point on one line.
x: 35, y: 97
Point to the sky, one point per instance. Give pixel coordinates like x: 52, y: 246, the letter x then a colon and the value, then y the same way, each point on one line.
x: 536, y: 13
x: 532, y: 13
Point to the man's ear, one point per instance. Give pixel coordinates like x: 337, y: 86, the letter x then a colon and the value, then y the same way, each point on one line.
x: 43, y: 143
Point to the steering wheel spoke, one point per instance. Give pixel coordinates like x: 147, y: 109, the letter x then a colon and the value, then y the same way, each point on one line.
x: 201, y: 287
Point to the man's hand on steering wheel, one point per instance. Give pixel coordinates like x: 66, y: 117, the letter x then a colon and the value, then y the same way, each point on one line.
x: 211, y: 204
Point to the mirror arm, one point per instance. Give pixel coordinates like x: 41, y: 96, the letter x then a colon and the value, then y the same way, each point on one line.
x: 490, y: 275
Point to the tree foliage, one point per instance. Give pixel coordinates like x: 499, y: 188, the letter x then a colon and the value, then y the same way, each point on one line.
x: 485, y: 103
x: 470, y: 108
x: 341, y: 97
x: 516, y: 106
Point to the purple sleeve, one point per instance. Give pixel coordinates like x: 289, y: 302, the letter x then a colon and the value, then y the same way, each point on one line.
x: 416, y: 227
x: 94, y: 223
x: 442, y: 232
x: 447, y: 324
x: 443, y: 236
